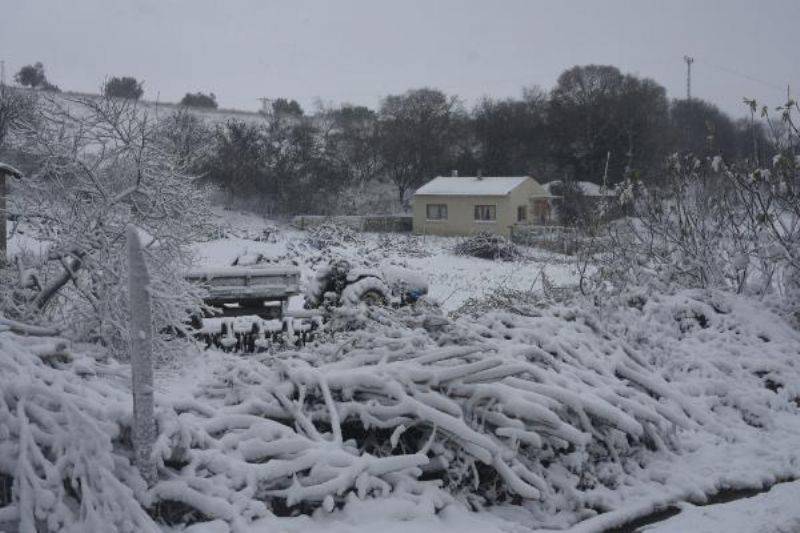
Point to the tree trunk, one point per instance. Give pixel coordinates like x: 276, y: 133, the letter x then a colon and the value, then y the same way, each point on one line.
x: 141, y: 334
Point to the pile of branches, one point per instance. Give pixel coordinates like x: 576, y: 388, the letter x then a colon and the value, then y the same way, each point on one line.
x: 386, y: 410
x: 64, y: 439
x: 332, y: 235
x: 402, y: 245
x: 487, y: 246
x: 545, y: 411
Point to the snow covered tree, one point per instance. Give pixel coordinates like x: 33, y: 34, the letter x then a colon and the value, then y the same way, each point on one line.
x: 283, y: 107
x: 124, y: 87
x: 415, y: 136
x: 17, y: 108
x: 186, y: 138
x: 596, y: 109
x: 31, y: 76
x: 200, y: 99
x: 100, y: 169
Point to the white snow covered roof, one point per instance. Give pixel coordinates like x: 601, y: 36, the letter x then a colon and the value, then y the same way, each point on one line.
x: 472, y: 186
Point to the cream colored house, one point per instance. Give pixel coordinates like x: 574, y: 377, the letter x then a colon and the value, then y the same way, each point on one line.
x: 467, y: 205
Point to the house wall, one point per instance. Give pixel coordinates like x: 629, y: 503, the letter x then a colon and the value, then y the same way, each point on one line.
x: 460, y: 215
x: 461, y: 212
x: 524, y: 195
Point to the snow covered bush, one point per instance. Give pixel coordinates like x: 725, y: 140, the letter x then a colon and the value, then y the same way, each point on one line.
x: 487, y: 246
x: 710, y: 225
x: 99, y: 169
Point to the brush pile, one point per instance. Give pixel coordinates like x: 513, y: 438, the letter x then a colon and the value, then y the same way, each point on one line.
x: 487, y: 246
x: 548, y: 411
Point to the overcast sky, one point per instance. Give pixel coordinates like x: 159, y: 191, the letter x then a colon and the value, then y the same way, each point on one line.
x: 359, y: 51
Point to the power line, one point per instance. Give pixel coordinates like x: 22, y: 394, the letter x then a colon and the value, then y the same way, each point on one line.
x: 739, y: 74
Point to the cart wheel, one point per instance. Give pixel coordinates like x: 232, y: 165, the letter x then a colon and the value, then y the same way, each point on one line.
x: 371, y: 291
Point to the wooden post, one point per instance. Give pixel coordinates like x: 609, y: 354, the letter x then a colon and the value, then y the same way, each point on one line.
x: 141, y: 331
x: 3, y: 216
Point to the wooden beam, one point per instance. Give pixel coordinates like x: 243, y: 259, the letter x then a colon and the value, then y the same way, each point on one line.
x: 3, y: 217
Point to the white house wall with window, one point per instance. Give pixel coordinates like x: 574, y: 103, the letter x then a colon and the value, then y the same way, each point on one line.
x: 467, y: 205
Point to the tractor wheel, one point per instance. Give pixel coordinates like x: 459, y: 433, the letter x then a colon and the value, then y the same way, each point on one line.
x: 371, y: 291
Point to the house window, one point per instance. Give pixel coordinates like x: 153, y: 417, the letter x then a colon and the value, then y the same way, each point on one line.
x: 485, y: 212
x: 436, y: 211
x: 522, y: 213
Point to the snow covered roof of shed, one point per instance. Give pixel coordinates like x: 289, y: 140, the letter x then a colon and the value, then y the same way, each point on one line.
x: 472, y: 186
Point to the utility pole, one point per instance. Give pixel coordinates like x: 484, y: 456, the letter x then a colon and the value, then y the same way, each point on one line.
x: 2, y: 72
x: 264, y: 104
x: 689, y: 61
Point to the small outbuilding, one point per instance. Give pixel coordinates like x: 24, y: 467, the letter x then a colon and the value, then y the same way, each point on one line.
x: 466, y: 205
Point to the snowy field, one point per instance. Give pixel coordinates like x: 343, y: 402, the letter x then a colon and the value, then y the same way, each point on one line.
x: 452, y: 279
x: 599, y: 415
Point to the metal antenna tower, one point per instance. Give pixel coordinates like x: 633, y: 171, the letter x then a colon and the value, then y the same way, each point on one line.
x: 265, y: 103
x: 689, y: 61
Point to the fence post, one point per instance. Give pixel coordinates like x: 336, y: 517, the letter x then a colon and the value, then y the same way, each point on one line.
x: 141, y: 333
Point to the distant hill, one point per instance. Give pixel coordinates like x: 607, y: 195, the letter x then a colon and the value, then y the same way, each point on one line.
x: 210, y: 115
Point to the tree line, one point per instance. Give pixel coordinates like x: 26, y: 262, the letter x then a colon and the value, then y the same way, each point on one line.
x: 597, y: 124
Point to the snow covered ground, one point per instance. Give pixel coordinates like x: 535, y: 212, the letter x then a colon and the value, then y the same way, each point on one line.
x: 452, y: 279
x: 744, y: 459
x: 774, y: 511
x: 666, y: 398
